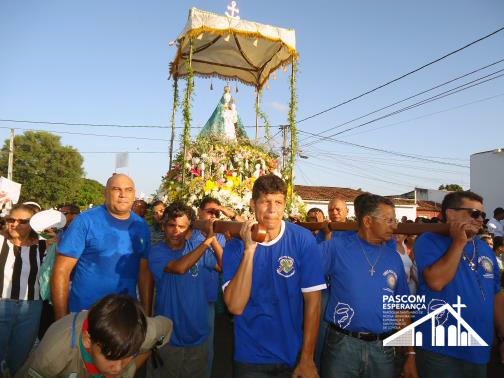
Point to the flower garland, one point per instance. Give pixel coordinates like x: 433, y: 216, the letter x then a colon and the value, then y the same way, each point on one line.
x: 187, y: 109
x: 226, y: 172
x: 293, y: 130
x: 175, y: 106
x: 262, y: 115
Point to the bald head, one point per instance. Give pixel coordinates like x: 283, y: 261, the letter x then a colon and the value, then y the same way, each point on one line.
x: 119, y: 195
x: 337, y: 209
x: 118, y: 176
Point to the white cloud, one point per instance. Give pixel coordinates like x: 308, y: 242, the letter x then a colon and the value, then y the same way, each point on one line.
x: 284, y: 108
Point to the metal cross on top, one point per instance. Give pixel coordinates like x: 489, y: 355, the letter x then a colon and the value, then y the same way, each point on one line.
x: 233, y: 9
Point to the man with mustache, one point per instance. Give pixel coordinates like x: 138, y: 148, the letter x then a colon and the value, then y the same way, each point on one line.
x: 363, y: 267
x: 458, y: 265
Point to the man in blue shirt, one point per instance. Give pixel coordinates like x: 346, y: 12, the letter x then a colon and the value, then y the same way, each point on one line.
x: 273, y: 288
x: 458, y: 265
x: 338, y: 211
x: 180, y: 267
x: 363, y: 267
x: 107, y: 246
x: 210, y: 209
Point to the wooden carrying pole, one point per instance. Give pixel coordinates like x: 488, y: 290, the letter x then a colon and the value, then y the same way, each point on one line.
x: 221, y: 227
x: 402, y: 228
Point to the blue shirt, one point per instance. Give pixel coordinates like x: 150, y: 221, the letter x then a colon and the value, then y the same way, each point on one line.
x: 356, y: 296
x: 334, y: 234
x: 182, y: 297
x: 109, y: 252
x: 270, y: 330
x: 476, y: 289
x: 211, y: 276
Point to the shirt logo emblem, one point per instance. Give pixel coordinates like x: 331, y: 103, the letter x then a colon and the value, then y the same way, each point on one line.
x: 391, y: 278
x: 194, y: 270
x: 487, y: 266
x: 286, y: 266
x: 343, y: 315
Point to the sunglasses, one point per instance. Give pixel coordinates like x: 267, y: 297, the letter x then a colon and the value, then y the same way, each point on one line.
x: 20, y: 221
x: 474, y: 213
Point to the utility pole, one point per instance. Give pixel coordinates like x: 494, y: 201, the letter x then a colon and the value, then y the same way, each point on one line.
x: 285, y: 148
x: 11, y: 155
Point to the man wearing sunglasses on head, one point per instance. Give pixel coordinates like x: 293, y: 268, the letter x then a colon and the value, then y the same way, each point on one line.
x: 458, y: 265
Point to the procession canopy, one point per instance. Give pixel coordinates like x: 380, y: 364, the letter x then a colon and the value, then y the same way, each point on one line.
x: 232, y: 48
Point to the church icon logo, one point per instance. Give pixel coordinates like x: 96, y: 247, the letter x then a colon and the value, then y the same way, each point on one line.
x: 457, y: 335
x: 286, y: 266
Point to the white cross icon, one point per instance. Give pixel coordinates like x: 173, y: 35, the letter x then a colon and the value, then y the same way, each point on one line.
x: 233, y: 9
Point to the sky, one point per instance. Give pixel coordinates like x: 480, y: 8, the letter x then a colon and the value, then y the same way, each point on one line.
x: 106, y: 62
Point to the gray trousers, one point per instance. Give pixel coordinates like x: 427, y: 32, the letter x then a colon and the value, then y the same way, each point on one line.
x: 181, y: 362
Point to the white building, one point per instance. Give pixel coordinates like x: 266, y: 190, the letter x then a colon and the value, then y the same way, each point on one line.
x: 487, y: 178
x: 432, y: 195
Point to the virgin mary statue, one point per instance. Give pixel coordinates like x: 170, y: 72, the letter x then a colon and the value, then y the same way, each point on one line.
x: 225, y: 123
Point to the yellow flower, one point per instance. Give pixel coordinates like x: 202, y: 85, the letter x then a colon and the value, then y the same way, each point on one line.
x: 209, y: 185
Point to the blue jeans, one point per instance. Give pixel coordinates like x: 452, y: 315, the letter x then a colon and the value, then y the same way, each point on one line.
x: 262, y: 371
x: 348, y: 357
x: 19, y: 323
x: 211, y: 321
x: 436, y: 365
x: 322, y: 329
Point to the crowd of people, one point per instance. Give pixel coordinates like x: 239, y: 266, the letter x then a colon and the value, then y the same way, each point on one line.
x: 137, y: 298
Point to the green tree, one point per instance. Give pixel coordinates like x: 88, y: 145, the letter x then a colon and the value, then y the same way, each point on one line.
x: 49, y: 172
x: 451, y: 187
x: 90, y: 191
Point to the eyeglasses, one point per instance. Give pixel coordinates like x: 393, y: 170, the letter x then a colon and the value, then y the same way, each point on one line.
x: 388, y: 221
x: 20, y: 221
x: 474, y: 213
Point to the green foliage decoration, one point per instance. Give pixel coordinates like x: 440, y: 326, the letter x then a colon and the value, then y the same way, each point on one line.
x: 263, y: 116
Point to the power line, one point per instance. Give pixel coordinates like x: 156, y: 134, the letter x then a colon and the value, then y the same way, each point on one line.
x: 86, y: 134
x: 438, y: 96
x: 410, y: 97
x: 387, y: 162
x: 298, y: 121
x: 429, y: 115
x: 373, y: 157
x: 103, y: 125
x: 386, y: 151
x: 402, y: 76
x: 374, y: 166
x: 331, y: 169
